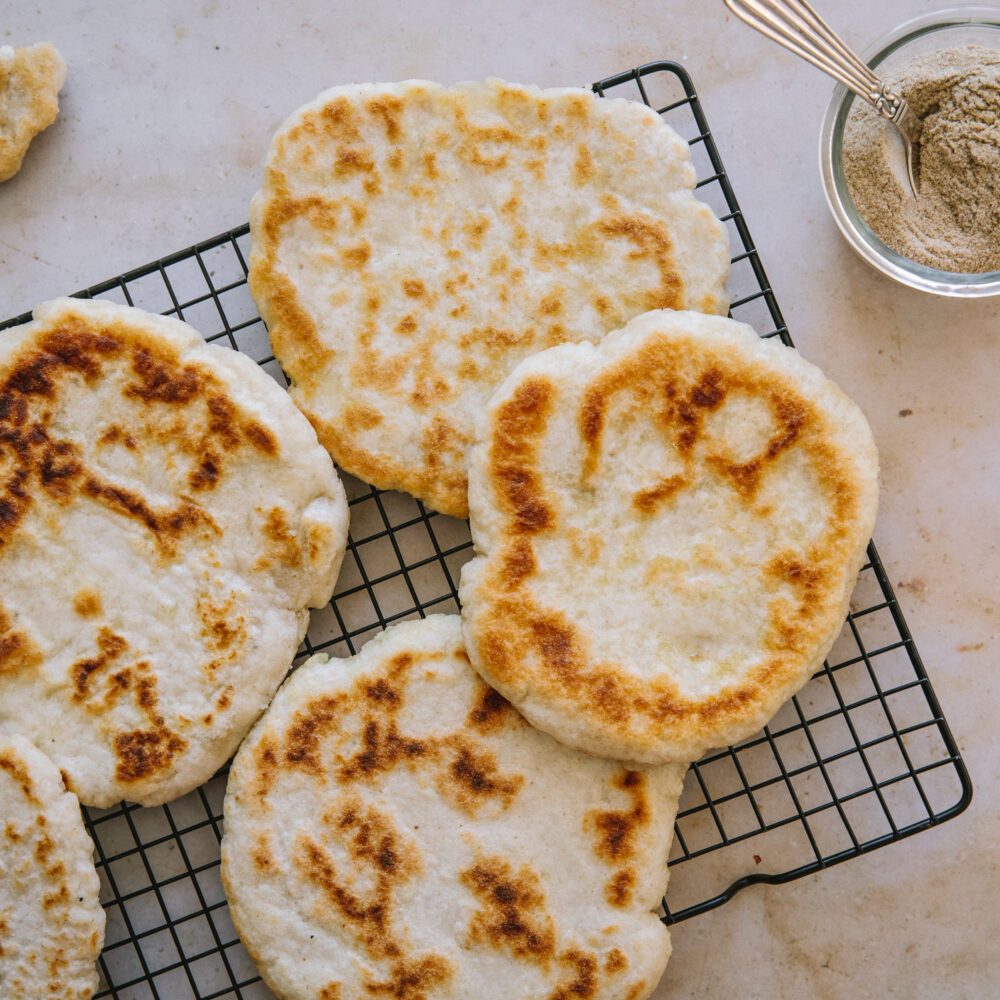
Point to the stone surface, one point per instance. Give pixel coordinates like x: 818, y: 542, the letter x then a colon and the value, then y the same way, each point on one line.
x: 166, y: 114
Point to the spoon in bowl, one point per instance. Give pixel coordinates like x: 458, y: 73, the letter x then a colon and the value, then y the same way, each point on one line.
x: 794, y: 25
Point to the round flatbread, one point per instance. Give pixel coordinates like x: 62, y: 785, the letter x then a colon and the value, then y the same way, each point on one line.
x: 30, y: 81
x: 51, y: 920
x: 394, y: 828
x: 668, y: 529
x: 167, y: 517
x: 412, y: 243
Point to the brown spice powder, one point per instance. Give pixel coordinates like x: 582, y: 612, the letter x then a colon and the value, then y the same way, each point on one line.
x: 954, y: 223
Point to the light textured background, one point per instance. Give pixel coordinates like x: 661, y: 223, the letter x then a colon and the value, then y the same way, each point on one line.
x: 166, y: 114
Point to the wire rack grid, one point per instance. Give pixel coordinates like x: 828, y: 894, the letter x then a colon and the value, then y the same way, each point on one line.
x: 861, y: 758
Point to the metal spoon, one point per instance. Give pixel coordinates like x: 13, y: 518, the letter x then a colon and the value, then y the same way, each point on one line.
x: 796, y: 26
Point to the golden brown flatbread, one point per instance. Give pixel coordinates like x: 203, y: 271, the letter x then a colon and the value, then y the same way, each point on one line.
x: 669, y: 527
x: 394, y: 828
x: 412, y: 243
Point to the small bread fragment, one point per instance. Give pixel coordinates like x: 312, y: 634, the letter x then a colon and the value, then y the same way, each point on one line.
x: 51, y: 920
x: 395, y: 829
x: 30, y: 81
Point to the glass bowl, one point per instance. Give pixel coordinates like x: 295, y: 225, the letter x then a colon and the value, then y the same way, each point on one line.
x: 938, y: 30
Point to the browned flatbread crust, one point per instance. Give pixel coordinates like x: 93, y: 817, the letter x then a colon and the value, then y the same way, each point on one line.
x: 51, y: 921
x: 441, y: 847
x: 166, y: 519
x: 713, y: 489
x: 413, y: 242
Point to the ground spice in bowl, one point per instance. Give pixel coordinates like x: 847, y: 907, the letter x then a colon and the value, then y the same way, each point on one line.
x: 954, y: 222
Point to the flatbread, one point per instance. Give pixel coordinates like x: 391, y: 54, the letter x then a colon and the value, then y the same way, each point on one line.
x: 394, y: 828
x: 411, y: 243
x: 668, y: 529
x: 167, y: 517
x: 30, y: 81
x: 51, y: 920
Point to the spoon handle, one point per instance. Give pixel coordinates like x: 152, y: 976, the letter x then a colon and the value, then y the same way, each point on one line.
x: 796, y: 26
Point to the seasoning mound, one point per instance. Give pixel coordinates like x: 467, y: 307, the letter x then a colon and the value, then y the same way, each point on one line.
x: 954, y: 222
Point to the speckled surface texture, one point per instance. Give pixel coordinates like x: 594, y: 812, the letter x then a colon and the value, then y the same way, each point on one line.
x: 166, y: 114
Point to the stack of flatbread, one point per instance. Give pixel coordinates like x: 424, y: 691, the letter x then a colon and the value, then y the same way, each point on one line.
x: 505, y: 301
x: 508, y: 302
x: 167, y: 518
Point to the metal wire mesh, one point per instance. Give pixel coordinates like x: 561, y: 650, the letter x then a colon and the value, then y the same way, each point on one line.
x: 861, y: 758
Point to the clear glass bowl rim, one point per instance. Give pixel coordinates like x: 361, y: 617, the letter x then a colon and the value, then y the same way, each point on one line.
x: 861, y: 239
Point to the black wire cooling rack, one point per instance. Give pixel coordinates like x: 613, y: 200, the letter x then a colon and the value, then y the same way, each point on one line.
x: 861, y: 758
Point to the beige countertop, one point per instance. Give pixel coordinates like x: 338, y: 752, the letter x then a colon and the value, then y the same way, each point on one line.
x: 166, y: 113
